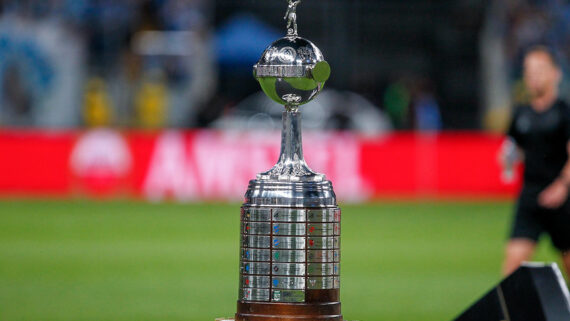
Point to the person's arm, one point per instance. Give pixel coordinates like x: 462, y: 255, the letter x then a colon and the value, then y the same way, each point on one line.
x: 510, y: 152
x: 509, y: 155
x: 556, y: 193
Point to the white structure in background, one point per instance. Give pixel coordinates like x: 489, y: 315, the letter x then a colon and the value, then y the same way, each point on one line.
x: 494, y: 68
x: 41, y: 73
x: 191, y: 51
x: 333, y: 110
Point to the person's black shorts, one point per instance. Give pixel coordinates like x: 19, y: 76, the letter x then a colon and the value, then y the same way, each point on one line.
x: 532, y: 220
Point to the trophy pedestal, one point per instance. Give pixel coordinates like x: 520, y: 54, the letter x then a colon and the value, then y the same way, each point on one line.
x: 280, y: 318
x: 328, y: 310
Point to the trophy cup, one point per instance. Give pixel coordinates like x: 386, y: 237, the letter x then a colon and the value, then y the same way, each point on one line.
x: 290, y: 221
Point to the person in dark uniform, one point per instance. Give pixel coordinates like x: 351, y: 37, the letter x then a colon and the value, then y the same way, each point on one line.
x: 541, y: 133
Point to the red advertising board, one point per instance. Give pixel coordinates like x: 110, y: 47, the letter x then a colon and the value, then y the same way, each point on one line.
x: 217, y: 165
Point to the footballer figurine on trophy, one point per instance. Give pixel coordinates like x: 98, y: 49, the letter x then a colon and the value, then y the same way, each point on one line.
x: 291, y: 17
x: 290, y: 221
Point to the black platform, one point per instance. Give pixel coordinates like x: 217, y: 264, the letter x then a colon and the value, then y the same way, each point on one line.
x: 534, y: 292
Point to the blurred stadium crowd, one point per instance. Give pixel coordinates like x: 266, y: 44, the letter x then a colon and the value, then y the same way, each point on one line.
x: 94, y: 63
x: 187, y: 63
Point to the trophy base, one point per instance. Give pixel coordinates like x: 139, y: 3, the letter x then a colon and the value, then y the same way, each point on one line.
x: 325, y: 311
x: 272, y: 319
x: 232, y: 319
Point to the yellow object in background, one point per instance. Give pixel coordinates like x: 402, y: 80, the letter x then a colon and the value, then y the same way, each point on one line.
x: 150, y: 102
x: 520, y: 93
x: 98, y: 110
x: 497, y: 119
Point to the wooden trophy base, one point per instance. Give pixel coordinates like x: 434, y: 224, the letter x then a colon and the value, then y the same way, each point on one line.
x: 321, y: 305
x: 288, y: 312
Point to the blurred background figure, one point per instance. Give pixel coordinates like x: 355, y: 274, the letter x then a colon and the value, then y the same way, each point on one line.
x: 541, y: 130
x: 98, y: 110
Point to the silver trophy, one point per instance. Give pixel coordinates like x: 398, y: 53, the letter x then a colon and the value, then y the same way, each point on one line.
x: 290, y: 221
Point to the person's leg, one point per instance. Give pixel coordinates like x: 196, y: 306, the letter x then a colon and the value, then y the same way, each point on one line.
x: 518, y: 250
x: 557, y: 223
x: 525, y: 233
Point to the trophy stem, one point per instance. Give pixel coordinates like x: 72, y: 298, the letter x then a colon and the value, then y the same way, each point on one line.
x: 291, y: 165
x: 291, y: 139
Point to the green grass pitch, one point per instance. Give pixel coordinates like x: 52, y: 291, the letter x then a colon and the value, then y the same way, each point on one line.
x: 127, y: 261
